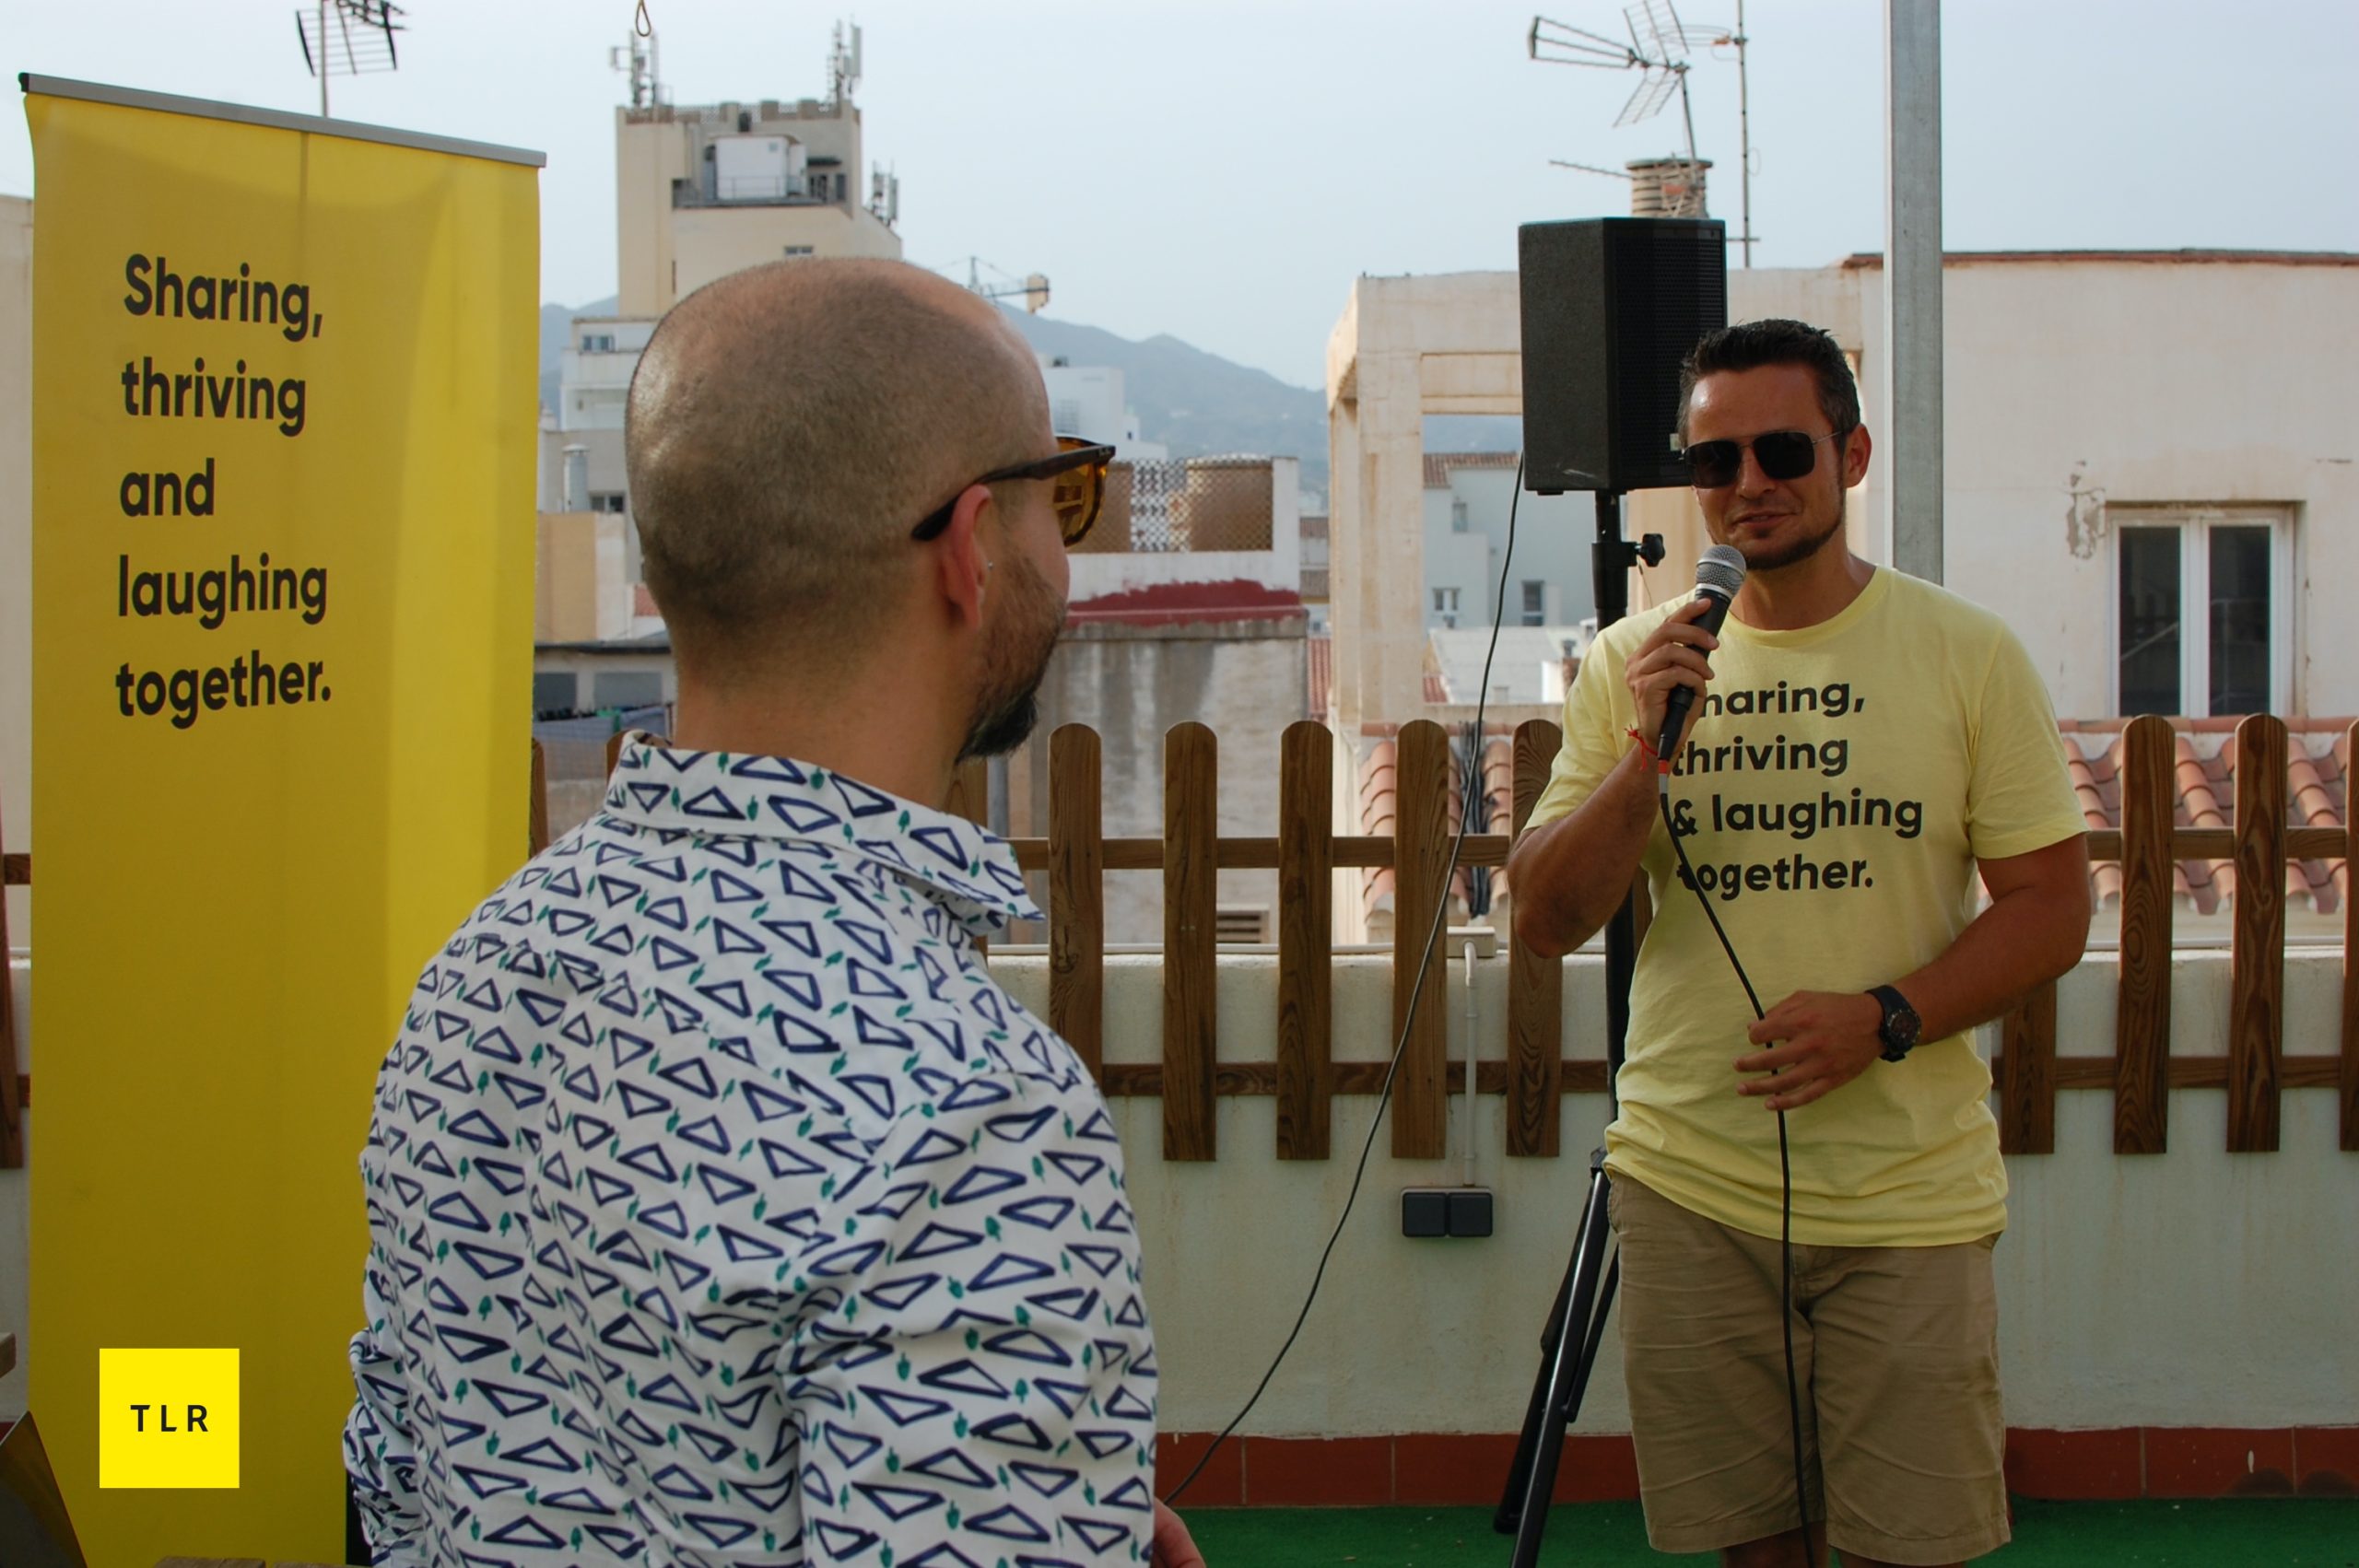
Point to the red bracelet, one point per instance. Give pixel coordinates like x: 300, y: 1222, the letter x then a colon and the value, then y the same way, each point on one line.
x: 1643, y: 747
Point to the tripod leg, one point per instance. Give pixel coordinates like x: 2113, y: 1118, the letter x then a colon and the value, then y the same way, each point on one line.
x: 1568, y: 1377
x: 1565, y: 1371
x: 1510, y: 1509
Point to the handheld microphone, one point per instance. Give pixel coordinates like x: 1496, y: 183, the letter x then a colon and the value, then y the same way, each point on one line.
x: 1718, y: 574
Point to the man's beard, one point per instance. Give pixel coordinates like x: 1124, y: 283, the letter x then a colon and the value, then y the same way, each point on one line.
x: 1802, y: 549
x: 1007, y: 703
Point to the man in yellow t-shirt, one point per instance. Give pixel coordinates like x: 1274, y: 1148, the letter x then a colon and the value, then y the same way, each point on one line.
x: 1860, y: 743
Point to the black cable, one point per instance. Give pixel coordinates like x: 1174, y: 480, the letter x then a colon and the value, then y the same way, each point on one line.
x: 1785, y: 1167
x: 1409, y: 1015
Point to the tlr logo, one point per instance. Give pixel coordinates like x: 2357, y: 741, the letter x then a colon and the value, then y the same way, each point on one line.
x: 194, y: 1414
x: 168, y: 1417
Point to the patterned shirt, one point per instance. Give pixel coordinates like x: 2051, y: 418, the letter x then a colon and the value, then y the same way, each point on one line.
x: 724, y: 1210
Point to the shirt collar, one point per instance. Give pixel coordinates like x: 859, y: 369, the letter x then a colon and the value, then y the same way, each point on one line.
x: 970, y: 871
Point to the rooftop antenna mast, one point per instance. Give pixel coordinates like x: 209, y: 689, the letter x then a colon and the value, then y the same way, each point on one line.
x: 843, y: 66
x: 1657, y: 49
x: 642, y: 61
x: 348, y: 37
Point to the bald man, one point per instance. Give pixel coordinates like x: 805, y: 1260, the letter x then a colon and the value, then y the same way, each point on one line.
x: 723, y: 1208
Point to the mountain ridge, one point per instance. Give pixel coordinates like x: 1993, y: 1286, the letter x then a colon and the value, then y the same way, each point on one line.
x: 1194, y: 401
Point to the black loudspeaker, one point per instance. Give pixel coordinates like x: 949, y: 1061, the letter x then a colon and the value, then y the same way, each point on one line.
x: 1611, y: 306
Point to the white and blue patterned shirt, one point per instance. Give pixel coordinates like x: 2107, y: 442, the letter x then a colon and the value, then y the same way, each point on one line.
x: 723, y: 1211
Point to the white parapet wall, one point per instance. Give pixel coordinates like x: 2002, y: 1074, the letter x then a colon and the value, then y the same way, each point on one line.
x: 2190, y: 1289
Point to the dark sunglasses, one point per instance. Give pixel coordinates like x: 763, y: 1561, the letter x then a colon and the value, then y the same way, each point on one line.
x: 1782, y: 454
x: 1079, y: 469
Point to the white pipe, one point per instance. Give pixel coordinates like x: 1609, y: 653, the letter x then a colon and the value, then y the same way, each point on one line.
x: 1466, y: 1141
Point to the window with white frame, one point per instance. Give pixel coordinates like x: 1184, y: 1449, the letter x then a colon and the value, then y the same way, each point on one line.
x: 1458, y: 518
x: 1535, y: 603
x: 2202, y: 610
x: 1446, y: 606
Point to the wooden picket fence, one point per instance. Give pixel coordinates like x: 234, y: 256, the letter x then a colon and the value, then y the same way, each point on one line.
x: 2142, y: 1072
x: 1533, y: 1074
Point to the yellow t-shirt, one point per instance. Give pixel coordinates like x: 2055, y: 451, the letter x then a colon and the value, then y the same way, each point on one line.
x: 1838, y: 785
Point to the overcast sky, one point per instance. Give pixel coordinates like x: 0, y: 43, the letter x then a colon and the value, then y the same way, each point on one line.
x: 1221, y: 170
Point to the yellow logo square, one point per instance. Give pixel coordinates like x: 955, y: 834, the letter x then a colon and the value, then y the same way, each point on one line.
x: 168, y: 1417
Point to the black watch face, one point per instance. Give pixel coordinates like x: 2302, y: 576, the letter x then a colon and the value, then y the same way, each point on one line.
x: 1900, y: 1021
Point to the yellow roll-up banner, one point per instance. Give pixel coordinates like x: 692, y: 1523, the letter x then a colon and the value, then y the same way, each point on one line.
x: 284, y: 422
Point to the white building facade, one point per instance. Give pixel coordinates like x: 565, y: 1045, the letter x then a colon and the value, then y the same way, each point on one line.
x: 2150, y: 466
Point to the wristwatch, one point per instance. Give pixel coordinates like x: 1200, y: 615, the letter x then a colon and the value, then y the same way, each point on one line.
x: 1900, y: 1026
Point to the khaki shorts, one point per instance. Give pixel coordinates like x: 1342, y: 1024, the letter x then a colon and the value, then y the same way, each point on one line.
x: 1897, y: 1356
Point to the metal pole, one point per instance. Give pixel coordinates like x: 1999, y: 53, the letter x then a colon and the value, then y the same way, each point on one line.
x: 324, y: 59
x: 1744, y: 134
x: 1912, y: 282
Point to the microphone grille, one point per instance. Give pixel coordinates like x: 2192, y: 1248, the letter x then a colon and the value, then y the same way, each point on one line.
x: 1720, y: 569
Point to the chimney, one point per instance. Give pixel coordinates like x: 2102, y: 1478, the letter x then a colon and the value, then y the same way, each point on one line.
x: 1667, y: 187
x: 577, y: 478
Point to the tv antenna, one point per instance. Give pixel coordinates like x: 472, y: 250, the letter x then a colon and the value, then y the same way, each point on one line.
x: 1032, y: 288
x: 348, y: 37
x: 1657, y: 50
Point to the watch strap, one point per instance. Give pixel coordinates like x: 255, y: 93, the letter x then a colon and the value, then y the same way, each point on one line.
x: 1898, y: 1042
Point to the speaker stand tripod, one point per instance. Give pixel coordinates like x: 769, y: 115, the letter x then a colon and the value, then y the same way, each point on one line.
x: 1568, y: 1344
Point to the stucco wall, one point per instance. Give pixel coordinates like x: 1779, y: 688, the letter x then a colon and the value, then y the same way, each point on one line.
x: 2195, y: 1288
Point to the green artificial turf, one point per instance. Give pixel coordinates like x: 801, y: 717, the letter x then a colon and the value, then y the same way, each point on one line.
x: 2229, y: 1533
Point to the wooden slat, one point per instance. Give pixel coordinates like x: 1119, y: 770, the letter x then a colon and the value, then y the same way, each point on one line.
x: 12, y: 1124
x: 1352, y: 853
x: 1252, y: 1079
x: 971, y: 797
x: 2256, y: 964
x: 1421, y: 833
x: 1077, y: 895
x: 2141, y: 1037
x: 1356, y: 852
x: 1535, y: 983
x: 536, y: 833
x: 2027, y: 1084
x: 2193, y: 1071
x: 17, y: 870
x: 1305, y: 936
x: 1191, y: 782
x: 2350, y: 1070
x: 2220, y: 844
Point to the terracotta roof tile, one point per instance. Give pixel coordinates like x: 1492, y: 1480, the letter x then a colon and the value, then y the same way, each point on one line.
x: 1379, y: 808
x: 1438, y: 464
x: 2203, y: 777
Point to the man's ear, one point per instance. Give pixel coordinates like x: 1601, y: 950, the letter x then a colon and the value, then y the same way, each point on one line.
x: 962, y: 569
x: 1856, y: 450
